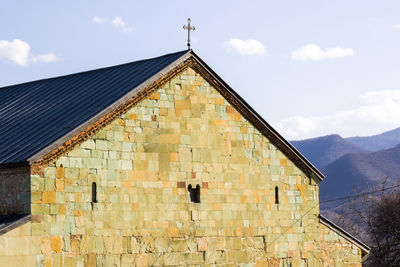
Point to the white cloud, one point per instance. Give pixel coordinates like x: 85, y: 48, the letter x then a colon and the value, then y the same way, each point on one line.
x: 119, y: 23
x: 249, y: 47
x: 19, y: 52
x: 98, y: 20
x: 45, y: 58
x: 315, y: 53
x: 378, y: 111
x: 397, y: 26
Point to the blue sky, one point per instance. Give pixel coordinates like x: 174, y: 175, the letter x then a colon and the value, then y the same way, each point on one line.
x: 309, y: 68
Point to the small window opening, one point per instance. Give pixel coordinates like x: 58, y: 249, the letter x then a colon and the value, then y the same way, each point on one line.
x: 276, y: 195
x: 194, y: 193
x: 310, y: 181
x: 94, y: 192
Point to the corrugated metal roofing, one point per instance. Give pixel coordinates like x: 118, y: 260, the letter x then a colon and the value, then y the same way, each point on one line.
x: 34, y: 115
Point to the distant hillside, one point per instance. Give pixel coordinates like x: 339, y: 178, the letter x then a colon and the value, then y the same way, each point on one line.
x: 377, y: 142
x: 321, y: 151
x: 353, y: 172
x: 352, y: 164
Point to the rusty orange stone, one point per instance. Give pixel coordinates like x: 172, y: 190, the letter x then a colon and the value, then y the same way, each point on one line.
x: 135, y: 206
x: 172, y: 232
x: 174, y: 157
x: 283, y: 162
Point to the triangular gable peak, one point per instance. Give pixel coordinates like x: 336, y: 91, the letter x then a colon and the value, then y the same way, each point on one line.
x: 145, y: 90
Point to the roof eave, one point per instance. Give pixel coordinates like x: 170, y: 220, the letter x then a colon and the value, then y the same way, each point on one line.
x: 366, y: 249
x: 24, y: 219
x: 14, y: 165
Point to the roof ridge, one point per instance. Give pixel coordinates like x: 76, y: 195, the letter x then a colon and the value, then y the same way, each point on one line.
x: 93, y: 70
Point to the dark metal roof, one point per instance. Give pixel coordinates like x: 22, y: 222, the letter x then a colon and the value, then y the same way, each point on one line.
x: 34, y: 115
x: 9, y: 222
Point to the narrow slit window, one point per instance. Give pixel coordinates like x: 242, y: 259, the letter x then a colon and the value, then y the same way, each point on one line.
x: 194, y: 193
x: 276, y: 195
x: 94, y: 192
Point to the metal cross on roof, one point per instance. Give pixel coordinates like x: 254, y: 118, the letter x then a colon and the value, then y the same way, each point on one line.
x: 188, y: 28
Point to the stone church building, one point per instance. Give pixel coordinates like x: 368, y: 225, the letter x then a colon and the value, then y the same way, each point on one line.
x: 155, y: 163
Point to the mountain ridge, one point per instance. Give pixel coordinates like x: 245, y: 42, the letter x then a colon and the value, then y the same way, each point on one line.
x: 325, y: 149
x: 350, y: 166
x: 355, y: 172
x: 377, y: 142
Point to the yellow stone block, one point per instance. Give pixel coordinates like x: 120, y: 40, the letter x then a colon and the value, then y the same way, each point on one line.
x: 141, y: 260
x: 49, y: 197
x: 60, y: 172
x: 155, y: 96
x: 262, y: 263
x: 59, y: 185
x: 56, y: 244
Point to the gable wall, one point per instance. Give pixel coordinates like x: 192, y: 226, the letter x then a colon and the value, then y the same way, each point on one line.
x: 143, y: 162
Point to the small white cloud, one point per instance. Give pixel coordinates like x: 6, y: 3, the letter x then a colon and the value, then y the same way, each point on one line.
x: 18, y: 52
x: 98, y: 20
x: 119, y: 23
x: 315, y: 53
x: 45, y: 58
x: 397, y: 26
x: 249, y: 47
x: 377, y: 112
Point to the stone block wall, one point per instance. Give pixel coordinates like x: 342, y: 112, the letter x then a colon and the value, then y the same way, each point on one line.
x: 336, y: 250
x: 184, y: 134
x: 19, y: 247
x: 15, y: 190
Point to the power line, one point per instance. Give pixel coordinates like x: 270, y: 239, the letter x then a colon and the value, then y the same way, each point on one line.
x: 284, y: 232
x: 359, y: 195
x: 308, y: 211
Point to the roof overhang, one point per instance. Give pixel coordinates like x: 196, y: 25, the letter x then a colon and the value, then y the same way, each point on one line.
x: 10, y: 222
x: 364, y: 248
x: 14, y: 165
